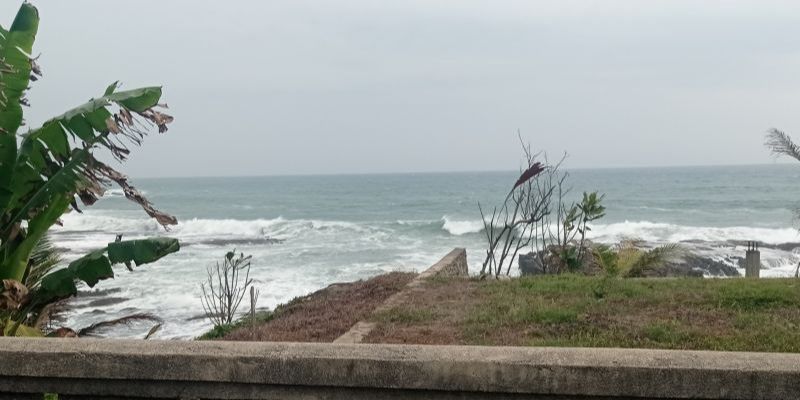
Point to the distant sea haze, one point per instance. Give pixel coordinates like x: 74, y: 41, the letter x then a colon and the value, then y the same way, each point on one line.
x: 307, y: 232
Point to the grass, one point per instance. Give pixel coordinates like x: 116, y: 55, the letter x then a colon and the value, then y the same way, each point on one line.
x: 567, y: 310
x: 218, y: 332
x: 324, y: 315
x: 403, y: 315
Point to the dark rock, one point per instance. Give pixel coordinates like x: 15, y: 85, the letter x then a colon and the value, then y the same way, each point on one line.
x: 97, y: 293
x: 106, y: 301
x: 529, y: 264
x: 692, y: 265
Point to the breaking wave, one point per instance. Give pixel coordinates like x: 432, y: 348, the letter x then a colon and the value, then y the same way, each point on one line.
x: 198, y: 228
x: 117, y: 192
x: 461, y: 227
x: 663, y: 232
x: 287, y: 229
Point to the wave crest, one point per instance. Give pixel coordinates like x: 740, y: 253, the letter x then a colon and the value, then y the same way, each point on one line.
x: 287, y: 229
x: 665, y: 232
x: 461, y: 227
x: 201, y: 228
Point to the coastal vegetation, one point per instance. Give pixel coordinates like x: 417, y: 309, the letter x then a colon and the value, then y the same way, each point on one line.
x: 569, y: 310
x: 536, y: 215
x: 628, y: 258
x: 781, y: 144
x: 321, y: 316
x: 45, y: 171
x: 225, y: 287
x: 584, y: 311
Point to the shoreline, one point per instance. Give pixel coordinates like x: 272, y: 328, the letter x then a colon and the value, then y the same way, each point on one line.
x: 101, y: 304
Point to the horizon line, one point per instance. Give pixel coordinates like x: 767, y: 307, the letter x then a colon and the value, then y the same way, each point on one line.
x: 315, y: 174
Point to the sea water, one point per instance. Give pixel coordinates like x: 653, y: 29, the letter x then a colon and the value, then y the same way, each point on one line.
x: 347, y: 227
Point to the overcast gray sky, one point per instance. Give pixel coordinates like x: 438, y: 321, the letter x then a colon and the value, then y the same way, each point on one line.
x: 297, y: 87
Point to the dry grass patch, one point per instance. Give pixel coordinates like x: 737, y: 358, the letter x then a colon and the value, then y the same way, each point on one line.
x: 326, y: 314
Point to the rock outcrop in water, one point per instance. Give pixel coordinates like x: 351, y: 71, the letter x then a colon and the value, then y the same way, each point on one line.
x: 692, y: 265
x: 688, y: 265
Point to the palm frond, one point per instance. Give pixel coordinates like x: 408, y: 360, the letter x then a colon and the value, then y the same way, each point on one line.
x: 44, y: 258
x: 655, y: 258
x: 152, y: 331
x: 781, y: 144
x: 92, y: 329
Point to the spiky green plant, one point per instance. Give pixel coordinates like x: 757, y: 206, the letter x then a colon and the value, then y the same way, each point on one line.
x: 629, y: 259
x: 44, y: 259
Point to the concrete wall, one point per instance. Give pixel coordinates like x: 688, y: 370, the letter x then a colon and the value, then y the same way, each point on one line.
x: 87, y: 368
x: 453, y: 264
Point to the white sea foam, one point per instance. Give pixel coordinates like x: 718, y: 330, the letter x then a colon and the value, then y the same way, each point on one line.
x: 416, y: 222
x: 278, y: 228
x: 663, y: 232
x: 282, y: 228
x: 461, y: 227
x: 117, y: 192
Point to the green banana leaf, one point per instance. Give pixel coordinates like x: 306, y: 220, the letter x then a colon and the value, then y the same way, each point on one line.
x: 11, y: 328
x: 44, y: 174
x: 44, y: 153
x: 96, y: 266
x: 16, y: 45
x: 46, y: 169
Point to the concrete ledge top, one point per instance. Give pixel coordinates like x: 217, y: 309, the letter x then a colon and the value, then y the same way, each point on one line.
x: 554, y: 371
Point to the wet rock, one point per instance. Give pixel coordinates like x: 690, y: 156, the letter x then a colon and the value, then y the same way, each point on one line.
x: 529, y: 264
x: 106, y: 301
x: 692, y: 265
x: 97, y: 293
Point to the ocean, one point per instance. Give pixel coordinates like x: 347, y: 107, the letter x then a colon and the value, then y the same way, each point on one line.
x: 347, y: 227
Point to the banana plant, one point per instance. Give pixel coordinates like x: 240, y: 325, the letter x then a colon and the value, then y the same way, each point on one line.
x: 45, y: 171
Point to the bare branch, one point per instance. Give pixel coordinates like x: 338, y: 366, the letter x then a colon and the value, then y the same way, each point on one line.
x: 225, y: 287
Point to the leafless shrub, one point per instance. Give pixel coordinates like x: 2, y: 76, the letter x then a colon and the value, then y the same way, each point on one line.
x: 225, y: 287
x: 510, y: 228
x: 535, y: 213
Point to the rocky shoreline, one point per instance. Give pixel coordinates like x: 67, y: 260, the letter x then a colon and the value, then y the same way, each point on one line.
x: 703, y: 259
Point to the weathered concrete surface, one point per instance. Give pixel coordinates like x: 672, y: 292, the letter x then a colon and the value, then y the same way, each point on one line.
x: 752, y: 263
x: 453, y: 264
x: 356, y: 333
x: 251, y: 370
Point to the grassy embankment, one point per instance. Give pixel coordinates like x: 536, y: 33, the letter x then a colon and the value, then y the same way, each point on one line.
x: 567, y: 310
x: 321, y: 316
x: 689, y: 313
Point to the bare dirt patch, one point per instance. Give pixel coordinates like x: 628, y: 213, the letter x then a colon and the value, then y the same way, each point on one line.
x: 326, y: 314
